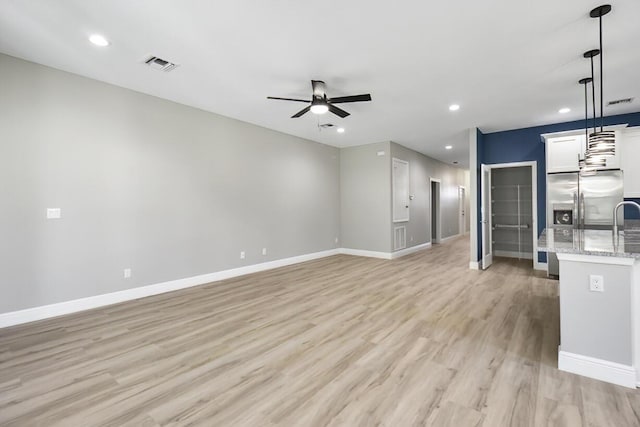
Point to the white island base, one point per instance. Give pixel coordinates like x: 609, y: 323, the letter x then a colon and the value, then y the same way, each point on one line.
x: 600, y: 329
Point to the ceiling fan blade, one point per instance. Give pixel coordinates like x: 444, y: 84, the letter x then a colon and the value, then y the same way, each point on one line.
x: 287, y: 99
x: 301, y: 112
x: 353, y: 98
x: 338, y: 111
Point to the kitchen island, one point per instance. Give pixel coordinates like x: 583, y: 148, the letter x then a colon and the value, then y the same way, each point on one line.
x: 599, y: 301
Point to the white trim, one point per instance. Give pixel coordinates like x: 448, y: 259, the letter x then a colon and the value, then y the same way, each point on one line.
x: 438, y: 233
x: 595, y: 259
x: 461, y: 216
x: 407, y: 251
x: 542, y: 266
x: 444, y: 239
x: 474, y: 265
x: 73, y: 306
x: 534, y: 200
x: 598, y: 369
x: 365, y: 253
x: 393, y: 188
x: 473, y: 195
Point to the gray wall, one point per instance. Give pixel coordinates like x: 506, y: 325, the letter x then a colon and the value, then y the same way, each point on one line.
x: 164, y: 189
x: 596, y: 324
x: 365, y: 197
x: 421, y: 169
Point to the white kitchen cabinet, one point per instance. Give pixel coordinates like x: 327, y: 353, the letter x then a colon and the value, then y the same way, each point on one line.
x: 563, y: 153
x: 629, y: 142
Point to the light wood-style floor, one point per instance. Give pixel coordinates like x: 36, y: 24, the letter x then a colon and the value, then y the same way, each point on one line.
x: 341, y: 341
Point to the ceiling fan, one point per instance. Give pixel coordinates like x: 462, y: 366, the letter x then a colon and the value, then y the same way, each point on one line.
x: 320, y: 104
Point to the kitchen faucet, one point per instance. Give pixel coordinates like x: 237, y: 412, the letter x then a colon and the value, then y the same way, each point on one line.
x: 615, y: 214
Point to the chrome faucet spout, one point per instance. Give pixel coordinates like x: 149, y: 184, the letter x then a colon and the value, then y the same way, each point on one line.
x: 615, y: 214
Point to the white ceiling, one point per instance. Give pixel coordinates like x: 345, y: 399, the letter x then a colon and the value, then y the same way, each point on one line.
x: 509, y: 64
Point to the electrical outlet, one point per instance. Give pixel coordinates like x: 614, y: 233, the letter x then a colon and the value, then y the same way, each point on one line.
x: 264, y: 251
x: 127, y: 273
x: 242, y: 255
x: 411, y: 239
x: 335, y: 240
x: 596, y: 283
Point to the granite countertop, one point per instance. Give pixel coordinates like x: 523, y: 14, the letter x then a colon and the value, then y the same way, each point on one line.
x: 593, y: 242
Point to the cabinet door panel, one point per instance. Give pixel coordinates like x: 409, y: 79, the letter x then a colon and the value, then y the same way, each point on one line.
x: 629, y: 142
x: 563, y: 152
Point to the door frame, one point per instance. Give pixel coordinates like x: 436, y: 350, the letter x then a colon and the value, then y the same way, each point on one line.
x: 462, y: 209
x: 438, y: 207
x: 534, y: 202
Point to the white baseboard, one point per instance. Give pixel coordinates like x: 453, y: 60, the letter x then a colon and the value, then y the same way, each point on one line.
x: 598, y: 369
x: 542, y: 266
x: 365, y: 253
x: 68, y: 307
x: 474, y: 265
x: 385, y: 255
x: 413, y: 249
x: 444, y: 239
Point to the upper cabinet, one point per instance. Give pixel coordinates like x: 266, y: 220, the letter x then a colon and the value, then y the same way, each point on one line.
x: 400, y: 187
x: 630, y: 144
x: 564, y: 151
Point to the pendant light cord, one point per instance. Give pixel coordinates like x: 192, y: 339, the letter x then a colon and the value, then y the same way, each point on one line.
x: 593, y: 96
x: 586, y: 113
x: 601, y: 79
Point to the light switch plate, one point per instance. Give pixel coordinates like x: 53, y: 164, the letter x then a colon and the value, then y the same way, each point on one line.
x: 596, y: 283
x: 54, y: 213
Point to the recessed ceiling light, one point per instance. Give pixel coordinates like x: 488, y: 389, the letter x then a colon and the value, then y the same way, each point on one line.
x: 340, y: 130
x: 564, y: 110
x: 454, y: 107
x: 448, y: 147
x: 99, y: 40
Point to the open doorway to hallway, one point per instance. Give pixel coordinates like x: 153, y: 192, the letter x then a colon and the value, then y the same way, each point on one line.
x: 436, y: 231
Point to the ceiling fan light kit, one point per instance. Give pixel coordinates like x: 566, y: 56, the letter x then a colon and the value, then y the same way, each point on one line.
x: 321, y: 104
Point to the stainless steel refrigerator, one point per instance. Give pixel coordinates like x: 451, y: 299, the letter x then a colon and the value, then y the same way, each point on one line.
x: 575, y: 201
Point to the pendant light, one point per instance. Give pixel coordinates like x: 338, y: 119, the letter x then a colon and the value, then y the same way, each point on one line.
x: 586, y: 169
x: 591, y: 160
x: 601, y: 144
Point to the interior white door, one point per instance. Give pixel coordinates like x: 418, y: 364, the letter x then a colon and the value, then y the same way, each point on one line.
x: 485, y: 216
x: 400, y: 190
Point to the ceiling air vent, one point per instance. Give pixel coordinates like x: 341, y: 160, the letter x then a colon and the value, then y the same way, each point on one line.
x: 160, y: 64
x: 620, y: 101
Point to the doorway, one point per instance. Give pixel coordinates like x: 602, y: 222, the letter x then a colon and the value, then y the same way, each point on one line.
x: 509, y: 212
x: 435, y: 211
x: 461, y: 210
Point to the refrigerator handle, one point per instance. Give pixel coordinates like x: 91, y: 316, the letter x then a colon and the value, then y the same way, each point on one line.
x: 582, y: 210
x: 576, y: 215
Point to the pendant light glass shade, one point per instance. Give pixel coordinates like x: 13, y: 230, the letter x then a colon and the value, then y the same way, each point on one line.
x: 601, y: 144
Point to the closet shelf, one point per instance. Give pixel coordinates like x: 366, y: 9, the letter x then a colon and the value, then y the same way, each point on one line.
x: 512, y: 226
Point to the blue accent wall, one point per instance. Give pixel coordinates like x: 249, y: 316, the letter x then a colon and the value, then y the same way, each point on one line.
x: 526, y: 144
